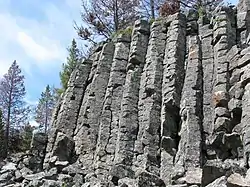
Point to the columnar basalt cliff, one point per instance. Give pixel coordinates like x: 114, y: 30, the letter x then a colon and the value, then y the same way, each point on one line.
x: 165, y: 105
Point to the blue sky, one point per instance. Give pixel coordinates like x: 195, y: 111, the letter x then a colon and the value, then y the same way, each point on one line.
x: 233, y: 1
x: 36, y: 33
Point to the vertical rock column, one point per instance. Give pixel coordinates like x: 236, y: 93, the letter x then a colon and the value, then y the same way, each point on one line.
x: 224, y: 38
x: 208, y: 76
x: 70, y: 108
x: 86, y: 133
x: 109, y: 120
x: 37, y: 150
x: 189, y: 156
x: 243, y: 23
x: 245, y: 121
x: 148, y: 139
x: 128, y: 124
x: 66, y: 118
x: 173, y: 76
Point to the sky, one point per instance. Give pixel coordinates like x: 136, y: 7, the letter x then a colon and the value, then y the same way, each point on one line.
x: 234, y: 2
x: 36, y: 33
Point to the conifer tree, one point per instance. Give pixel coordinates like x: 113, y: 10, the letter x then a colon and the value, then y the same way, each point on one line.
x: 45, y: 108
x: 154, y: 8
x: 14, y: 109
x: 26, y: 135
x: 104, y: 17
x: 72, y: 61
x: 150, y: 8
x: 1, y: 136
x: 206, y: 5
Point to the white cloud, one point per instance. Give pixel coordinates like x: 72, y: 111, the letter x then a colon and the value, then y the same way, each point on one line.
x: 37, y: 51
x: 37, y: 41
x: 37, y: 37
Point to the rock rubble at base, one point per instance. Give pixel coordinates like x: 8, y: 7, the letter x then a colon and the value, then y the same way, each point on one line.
x: 167, y: 105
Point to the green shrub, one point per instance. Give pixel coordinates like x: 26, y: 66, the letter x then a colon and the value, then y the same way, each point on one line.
x: 127, y: 31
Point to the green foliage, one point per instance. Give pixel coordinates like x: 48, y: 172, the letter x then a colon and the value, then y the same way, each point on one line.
x: 45, y: 108
x: 14, y: 109
x: 57, y: 92
x: 102, y: 18
x: 15, y: 141
x: 26, y: 137
x: 72, y: 61
x: 218, y: 20
x: 200, y: 11
x: 204, y: 5
x: 128, y: 31
x: 20, y: 139
x: 151, y: 21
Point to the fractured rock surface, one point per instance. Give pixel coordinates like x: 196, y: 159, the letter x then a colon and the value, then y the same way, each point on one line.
x: 167, y: 105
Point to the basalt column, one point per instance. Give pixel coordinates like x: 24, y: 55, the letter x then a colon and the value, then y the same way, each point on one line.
x: 173, y: 75
x: 86, y: 133
x: 188, y: 160
x: 224, y: 38
x: 128, y: 124
x: 109, y: 119
x: 67, y: 113
x: 244, y: 92
x: 245, y: 122
x: 147, y: 153
x: 243, y: 23
x: 206, y: 34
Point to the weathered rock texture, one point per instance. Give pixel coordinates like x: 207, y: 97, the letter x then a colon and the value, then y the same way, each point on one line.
x: 167, y: 105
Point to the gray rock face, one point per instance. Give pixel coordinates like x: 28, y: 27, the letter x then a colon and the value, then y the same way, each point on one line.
x: 129, y: 122
x: 86, y: 131
x: 38, y: 151
x: 172, y: 83
x: 165, y: 105
x: 189, y: 155
x: 110, y: 116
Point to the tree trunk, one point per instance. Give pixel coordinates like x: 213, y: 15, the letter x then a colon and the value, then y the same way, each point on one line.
x: 6, y: 140
x: 116, y: 19
x: 46, y: 117
x: 7, y: 130
x: 152, y: 8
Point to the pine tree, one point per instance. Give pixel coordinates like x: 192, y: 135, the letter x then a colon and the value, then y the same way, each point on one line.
x: 15, y: 140
x: 1, y: 136
x: 26, y: 135
x: 201, y: 5
x: 14, y: 109
x: 72, y: 61
x: 44, y: 109
x: 150, y: 8
x: 154, y: 8
x: 104, y: 17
